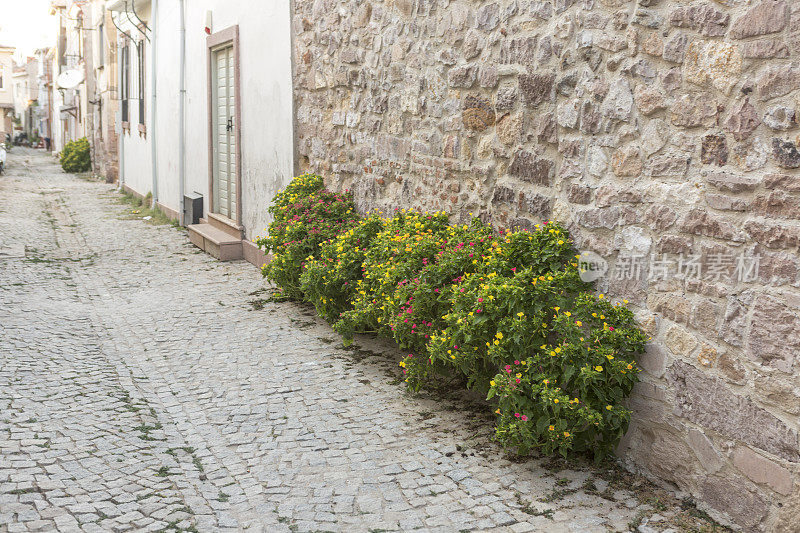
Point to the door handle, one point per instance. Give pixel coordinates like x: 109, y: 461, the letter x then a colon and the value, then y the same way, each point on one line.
x: 229, y: 126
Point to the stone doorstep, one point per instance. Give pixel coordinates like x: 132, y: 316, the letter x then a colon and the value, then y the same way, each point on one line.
x: 221, y: 239
x: 225, y: 224
x: 215, y: 242
x: 254, y: 255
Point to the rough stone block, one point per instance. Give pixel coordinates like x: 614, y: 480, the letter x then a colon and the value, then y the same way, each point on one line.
x: 714, y: 150
x: 765, y: 49
x: 528, y: 167
x: 536, y: 88
x: 709, y: 402
x: 702, y: 18
x: 680, y: 341
x: 733, y: 497
x: 700, y: 222
x: 774, y: 337
x: 713, y: 62
x: 704, y: 450
x: 694, y: 110
x: 762, y: 470
x: 728, y: 181
x: 769, y: 16
x: 626, y: 162
x: 786, y: 153
x: 742, y: 120
x: 773, y: 234
x: 777, y: 81
x: 478, y: 113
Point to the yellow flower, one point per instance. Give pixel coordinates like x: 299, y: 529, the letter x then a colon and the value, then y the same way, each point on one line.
x: 520, y: 314
x: 568, y: 314
x: 498, y: 411
x: 579, y: 324
x: 555, y: 401
x: 558, y: 349
x: 598, y: 368
x: 452, y: 357
x: 630, y: 367
x: 499, y: 335
x: 402, y: 363
x: 608, y: 407
x: 552, y: 353
x: 496, y: 342
x: 519, y: 375
x: 492, y: 383
x: 551, y: 428
x: 566, y: 433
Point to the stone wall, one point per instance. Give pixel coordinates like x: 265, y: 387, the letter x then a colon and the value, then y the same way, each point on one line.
x: 663, y: 133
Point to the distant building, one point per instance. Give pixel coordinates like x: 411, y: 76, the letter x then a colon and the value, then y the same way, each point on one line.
x: 69, y: 102
x: 100, y: 57
x: 44, y: 86
x: 6, y: 92
x: 25, y: 88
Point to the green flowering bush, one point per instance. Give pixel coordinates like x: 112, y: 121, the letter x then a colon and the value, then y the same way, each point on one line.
x: 507, y: 314
x: 330, y: 280
x: 76, y: 156
x: 304, y: 216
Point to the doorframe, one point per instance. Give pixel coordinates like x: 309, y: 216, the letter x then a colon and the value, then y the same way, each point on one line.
x: 228, y: 35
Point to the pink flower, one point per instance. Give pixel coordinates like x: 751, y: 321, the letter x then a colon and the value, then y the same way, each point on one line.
x: 508, y: 368
x: 478, y: 310
x: 516, y: 414
x: 480, y: 299
x: 455, y: 347
x: 523, y: 417
x: 610, y: 328
x: 516, y: 362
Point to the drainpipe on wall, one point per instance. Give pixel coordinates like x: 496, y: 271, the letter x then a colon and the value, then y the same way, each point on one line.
x: 153, y: 124
x: 121, y: 171
x: 181, y: 119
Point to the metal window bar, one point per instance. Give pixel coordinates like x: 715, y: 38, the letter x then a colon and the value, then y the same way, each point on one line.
x: 140, y: 58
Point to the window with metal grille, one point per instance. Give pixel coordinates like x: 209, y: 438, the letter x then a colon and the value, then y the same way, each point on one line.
x: 101, y: 45
x: 125, y: 59
x: 140, y: 61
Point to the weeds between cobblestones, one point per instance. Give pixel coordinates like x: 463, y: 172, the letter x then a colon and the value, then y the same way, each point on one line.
x: 243, y: 413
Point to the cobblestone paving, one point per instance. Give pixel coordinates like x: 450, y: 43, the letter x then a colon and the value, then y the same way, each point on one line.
x: 145, y: 386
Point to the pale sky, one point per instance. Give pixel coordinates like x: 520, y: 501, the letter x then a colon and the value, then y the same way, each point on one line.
x: 27, y: 25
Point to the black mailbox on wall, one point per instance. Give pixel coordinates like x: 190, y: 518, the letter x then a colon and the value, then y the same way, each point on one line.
x: 192, y: 208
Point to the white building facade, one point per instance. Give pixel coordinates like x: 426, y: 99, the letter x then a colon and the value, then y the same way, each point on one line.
x: 217, y: 122
x: 6, y: 91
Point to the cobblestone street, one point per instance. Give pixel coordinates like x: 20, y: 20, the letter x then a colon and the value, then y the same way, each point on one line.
x: 146, y: 386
